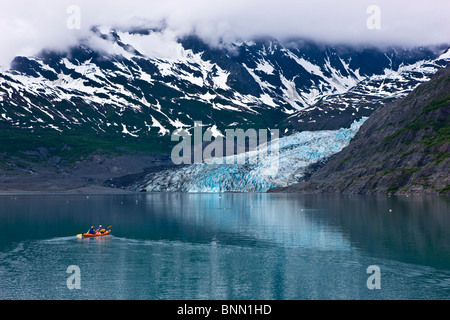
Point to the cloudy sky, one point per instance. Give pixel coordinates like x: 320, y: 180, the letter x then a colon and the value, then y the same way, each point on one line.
x: 28, y: 26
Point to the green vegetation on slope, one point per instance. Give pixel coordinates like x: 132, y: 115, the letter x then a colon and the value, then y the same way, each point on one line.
x: 440, y: 126
x: 39, y: 146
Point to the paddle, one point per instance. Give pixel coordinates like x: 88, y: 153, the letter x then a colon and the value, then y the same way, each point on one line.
x: 81, y: 235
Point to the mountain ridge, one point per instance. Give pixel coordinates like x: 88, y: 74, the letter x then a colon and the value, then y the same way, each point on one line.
x: 124, y: 92
x: 261, y: 78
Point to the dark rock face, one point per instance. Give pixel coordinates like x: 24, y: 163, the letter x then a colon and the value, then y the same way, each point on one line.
x: 403, y: 148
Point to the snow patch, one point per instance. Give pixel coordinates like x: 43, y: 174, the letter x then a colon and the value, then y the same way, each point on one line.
x: 162, y: 131
x: 125, y: 131
x: 265, y: 67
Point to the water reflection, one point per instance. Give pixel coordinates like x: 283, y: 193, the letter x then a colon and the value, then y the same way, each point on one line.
x: 413, y: 229
x: 410, y: 229
x: 225, y: 246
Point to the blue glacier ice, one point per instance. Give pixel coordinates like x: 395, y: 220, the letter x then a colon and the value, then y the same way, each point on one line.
x: 281, y: 166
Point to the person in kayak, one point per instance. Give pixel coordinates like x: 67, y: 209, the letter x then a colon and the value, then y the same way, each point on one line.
x: 91, y: 230
x: 100, y: 229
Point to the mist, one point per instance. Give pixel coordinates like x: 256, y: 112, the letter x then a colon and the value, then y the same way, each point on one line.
x: 27, y: 27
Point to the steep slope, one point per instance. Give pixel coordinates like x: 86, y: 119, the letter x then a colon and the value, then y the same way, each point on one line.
x: 404, y: 147
x: 334, y: 111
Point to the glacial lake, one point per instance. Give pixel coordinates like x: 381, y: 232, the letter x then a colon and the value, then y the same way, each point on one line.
x: 179, y: 246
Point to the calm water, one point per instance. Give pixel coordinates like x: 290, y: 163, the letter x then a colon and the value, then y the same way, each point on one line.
x: 225, y: 246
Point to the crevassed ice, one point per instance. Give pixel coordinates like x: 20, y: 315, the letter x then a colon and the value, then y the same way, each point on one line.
x: 285, y: 166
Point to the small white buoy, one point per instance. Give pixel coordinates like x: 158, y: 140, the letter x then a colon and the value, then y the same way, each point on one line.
x: 390, y: 210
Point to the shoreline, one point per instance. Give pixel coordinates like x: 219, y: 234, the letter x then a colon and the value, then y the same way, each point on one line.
x: 100, y: 190
x: 81, y: 190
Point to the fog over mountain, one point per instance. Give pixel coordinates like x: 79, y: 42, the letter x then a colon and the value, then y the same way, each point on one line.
x: 28, y: 27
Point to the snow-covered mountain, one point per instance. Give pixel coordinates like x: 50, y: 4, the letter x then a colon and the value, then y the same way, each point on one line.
x: 143, y: 83
x: 121, y: 90
x: 393, y: 82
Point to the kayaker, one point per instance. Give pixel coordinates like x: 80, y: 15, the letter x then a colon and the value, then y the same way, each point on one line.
x: 100, y: 229
x: 91, y: 230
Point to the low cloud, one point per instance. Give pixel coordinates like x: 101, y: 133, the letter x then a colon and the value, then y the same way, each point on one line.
x: 27, y: 27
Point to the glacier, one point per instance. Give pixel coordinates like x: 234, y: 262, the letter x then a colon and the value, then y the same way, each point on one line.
x: 281, y: 166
